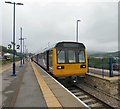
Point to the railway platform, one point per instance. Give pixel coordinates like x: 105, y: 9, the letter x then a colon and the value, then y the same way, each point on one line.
x: 21, y: 90
x: 33, y: 87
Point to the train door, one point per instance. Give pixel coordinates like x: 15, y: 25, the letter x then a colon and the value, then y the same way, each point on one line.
x: 50, y: 60
x: 47, y: 60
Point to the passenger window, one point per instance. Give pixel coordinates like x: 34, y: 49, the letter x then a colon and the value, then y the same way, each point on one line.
x: 81, y: 56
x: 71, y: 56
x: 61, y: 56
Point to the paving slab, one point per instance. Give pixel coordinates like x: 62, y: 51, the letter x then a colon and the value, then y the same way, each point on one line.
x: 21, y: 90
x: 30, y: 94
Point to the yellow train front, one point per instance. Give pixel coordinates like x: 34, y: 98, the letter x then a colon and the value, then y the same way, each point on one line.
x: 64, y: 59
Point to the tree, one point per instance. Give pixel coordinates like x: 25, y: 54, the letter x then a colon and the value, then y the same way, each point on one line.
x: 5, y: 50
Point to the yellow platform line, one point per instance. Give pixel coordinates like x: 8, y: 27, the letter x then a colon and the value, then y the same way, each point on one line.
x: 7, y: 67
x: 50, y: 99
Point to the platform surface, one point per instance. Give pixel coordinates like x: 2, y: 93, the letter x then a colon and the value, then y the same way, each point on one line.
x: 21, y: 90
x: 65, y: 98
x: 30, y: 94
x: 32, y: 87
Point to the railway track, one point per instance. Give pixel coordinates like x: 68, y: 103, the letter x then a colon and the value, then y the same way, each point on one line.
x: 87, y: 98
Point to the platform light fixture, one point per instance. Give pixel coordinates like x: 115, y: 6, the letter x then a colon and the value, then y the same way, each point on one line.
x: 14, y: 51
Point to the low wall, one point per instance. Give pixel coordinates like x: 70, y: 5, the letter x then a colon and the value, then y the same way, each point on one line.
x: 106, y: 84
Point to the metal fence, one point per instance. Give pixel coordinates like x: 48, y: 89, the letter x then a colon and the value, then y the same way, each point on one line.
x: 104, y: 66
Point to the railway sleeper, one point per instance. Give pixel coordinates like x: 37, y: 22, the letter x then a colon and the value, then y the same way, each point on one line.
x: 95, y: 105
x: 86, y: 98
x: 75, y: 90
x: 83, y: 97
x: 71, y: 88
x: 78, y: 93
x: 89, y: 101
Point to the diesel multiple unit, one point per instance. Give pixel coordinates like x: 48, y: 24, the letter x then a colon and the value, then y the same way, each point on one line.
x: 64, y: 59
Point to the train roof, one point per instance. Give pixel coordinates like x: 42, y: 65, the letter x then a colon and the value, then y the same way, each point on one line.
x: 69, y: 44
x: 64, y: 44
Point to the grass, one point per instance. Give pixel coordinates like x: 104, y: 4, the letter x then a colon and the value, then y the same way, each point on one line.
x: 4, y: 62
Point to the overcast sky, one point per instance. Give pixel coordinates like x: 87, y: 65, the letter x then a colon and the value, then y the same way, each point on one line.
x: 45, y: 22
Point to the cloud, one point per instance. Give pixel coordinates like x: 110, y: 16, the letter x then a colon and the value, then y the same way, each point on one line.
x: 52, y: 21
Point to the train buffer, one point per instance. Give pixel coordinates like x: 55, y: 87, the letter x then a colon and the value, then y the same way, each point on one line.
x: 32, y: 87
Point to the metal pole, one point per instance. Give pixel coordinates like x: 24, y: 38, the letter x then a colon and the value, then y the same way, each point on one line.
x: 14, y: 40
x: 27, y: 54
x: 21, y: 46
x: 110, y: 67
x: 77, y: 31
x: 102, y: 67
x: 23, y: 50
x: 14, y: 51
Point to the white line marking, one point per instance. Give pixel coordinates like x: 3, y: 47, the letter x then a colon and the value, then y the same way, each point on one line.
x: 67, y: 90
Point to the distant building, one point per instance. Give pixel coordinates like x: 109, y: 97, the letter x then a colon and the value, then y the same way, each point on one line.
x: 8, y: 56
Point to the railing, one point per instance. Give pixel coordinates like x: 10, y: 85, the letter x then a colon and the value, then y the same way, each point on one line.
x: 104, y: 66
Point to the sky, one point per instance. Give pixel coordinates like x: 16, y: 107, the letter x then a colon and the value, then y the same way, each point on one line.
x: 45, y: 22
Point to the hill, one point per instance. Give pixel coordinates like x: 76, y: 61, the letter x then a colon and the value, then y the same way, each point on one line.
x: 111, y: 54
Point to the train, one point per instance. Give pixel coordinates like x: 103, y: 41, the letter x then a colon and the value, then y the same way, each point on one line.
x: 64, y: 60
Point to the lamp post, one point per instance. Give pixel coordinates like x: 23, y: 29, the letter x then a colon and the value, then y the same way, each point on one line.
x: 14, y: 51
x: 26, y: 52
x: 23, y: 48
x: 21, y: 55
x: 77, y: 31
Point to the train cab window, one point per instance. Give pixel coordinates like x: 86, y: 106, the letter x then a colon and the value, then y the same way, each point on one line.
x: 61, y: 56
x: 71, y: 56
x: 81, y: 56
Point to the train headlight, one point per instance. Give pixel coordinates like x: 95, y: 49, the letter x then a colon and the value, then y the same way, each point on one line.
x: 82, y: 66
x: 60, y: 67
